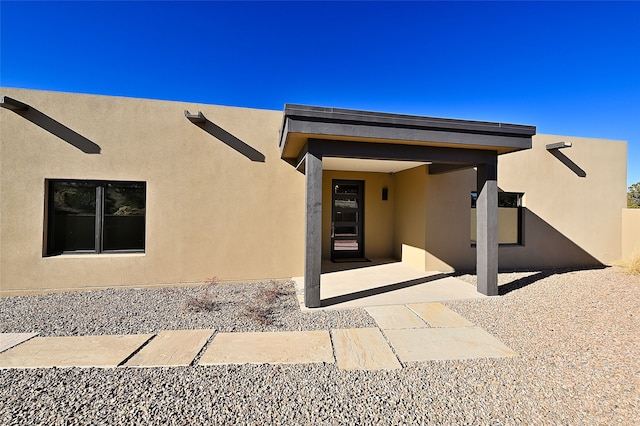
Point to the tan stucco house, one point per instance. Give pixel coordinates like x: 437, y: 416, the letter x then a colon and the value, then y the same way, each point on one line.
x: 106, y: 191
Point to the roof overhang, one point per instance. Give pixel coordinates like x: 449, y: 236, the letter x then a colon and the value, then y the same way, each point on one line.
x: 302, y: 123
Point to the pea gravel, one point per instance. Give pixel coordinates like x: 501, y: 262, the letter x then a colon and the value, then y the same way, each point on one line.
x: 267, y: 306
x: 577, y: 333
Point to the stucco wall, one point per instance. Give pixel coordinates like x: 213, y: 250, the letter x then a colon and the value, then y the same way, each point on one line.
x: 630, y: 233
x: 225, y: 204
x: 572, y: 204
x: 211, y: 210
x: 409, y: 214
x: 507, y: 225
x: 571, y: 216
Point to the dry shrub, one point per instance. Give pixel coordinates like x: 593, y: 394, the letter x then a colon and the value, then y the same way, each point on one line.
x: 262, y: 315
x: 206, y: 299
x: 263, y: 311
x: 633, y: 265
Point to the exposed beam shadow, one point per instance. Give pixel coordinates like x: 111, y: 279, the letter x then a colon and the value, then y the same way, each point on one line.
x: 379, y: 290
x: 227, y: 138
x: 58, y: 129
x: 525, y: 281
x: 567, y: 162
x: 540, y: 274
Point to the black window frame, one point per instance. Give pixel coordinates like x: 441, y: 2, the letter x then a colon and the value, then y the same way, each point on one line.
x: 100, y: 185
x: 508, y: 200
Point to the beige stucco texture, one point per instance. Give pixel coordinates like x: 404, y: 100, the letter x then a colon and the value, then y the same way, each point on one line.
x: 630, y: 233
x: 572, y: 203
x: 570, y: 214
x: 213, y: 208
x: 221, y: 202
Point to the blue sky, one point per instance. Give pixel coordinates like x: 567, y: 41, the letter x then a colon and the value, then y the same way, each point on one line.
x: 569, y: 68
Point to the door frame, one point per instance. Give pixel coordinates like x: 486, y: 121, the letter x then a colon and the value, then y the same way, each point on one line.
x: 359, y: 223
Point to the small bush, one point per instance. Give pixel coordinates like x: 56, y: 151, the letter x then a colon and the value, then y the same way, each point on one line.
x: 206, y: 299
x: 263, y: 310
x: 633, y: 266
x: 262, y: 315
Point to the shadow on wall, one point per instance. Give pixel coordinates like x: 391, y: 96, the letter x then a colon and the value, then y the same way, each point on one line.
x: 568, y: 162
x: 544, y: 249
x: 227, y: 138
x: 60, y: 130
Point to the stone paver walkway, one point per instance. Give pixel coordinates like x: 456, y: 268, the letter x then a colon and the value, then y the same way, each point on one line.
x: 363, y: 349
x: 73, y: 351
x: 171, y: 348
x: 406, y: 333
x: 9, y: 340
x: 286, y: 347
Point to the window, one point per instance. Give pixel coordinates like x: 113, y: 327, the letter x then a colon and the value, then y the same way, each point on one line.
x: 509, y: 217
x: 95, y: 216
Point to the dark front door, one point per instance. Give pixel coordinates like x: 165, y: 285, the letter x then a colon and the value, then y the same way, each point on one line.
x: 347, y: 219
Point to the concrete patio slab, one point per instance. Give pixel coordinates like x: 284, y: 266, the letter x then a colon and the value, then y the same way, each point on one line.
x: 381, y: 284
x: 363, y: 349
x: 9, y: 340
x: 394, y: 317
x: 171, y: 348
x: 429, y: 344
x: 73, y: 351
x: 288, y: 347
x: 438, y: 315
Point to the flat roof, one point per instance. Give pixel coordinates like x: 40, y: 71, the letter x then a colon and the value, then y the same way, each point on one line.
x: 304, y: 122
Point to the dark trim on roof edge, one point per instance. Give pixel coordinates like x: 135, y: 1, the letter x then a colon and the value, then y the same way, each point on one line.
x: 348, y: 116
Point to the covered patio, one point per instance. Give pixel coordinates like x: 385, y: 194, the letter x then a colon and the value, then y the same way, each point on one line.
x: 310, y: 134
x: 383, y: 282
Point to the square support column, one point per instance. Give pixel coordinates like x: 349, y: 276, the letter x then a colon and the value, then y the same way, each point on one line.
x: 487, y: 225
x: 313, y: 230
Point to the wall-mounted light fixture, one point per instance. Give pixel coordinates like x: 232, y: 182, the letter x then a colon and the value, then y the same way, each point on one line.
x: 195, y: 118
x: 12, y: 104
x: 558, y: 145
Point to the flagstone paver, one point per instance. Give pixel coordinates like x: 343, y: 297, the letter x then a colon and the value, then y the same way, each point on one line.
x: 171, y: 348
x: 287, y: 347
x: 429, y: 344
x: 438, y: 315
x: 395, y: 317
x: 9, y: 340
x: 363, y: 349
x: 73, y: 351
x: 417, y: 332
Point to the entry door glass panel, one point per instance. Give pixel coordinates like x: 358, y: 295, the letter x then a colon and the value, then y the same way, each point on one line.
x: 347, y: 219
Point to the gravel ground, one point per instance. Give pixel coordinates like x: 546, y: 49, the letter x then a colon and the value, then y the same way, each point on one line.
x: 268, y: 306
x: 577, y: 332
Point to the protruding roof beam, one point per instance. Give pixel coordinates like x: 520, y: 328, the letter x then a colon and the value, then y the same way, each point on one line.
x: 558, y: 145
x: 195, y: 118
x: 12, y: 104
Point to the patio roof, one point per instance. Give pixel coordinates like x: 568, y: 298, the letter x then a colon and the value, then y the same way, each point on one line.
x: 311, y: 135
x: 302, y: 123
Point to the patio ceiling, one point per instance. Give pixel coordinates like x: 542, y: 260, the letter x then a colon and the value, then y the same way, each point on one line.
x: 364, y: 165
